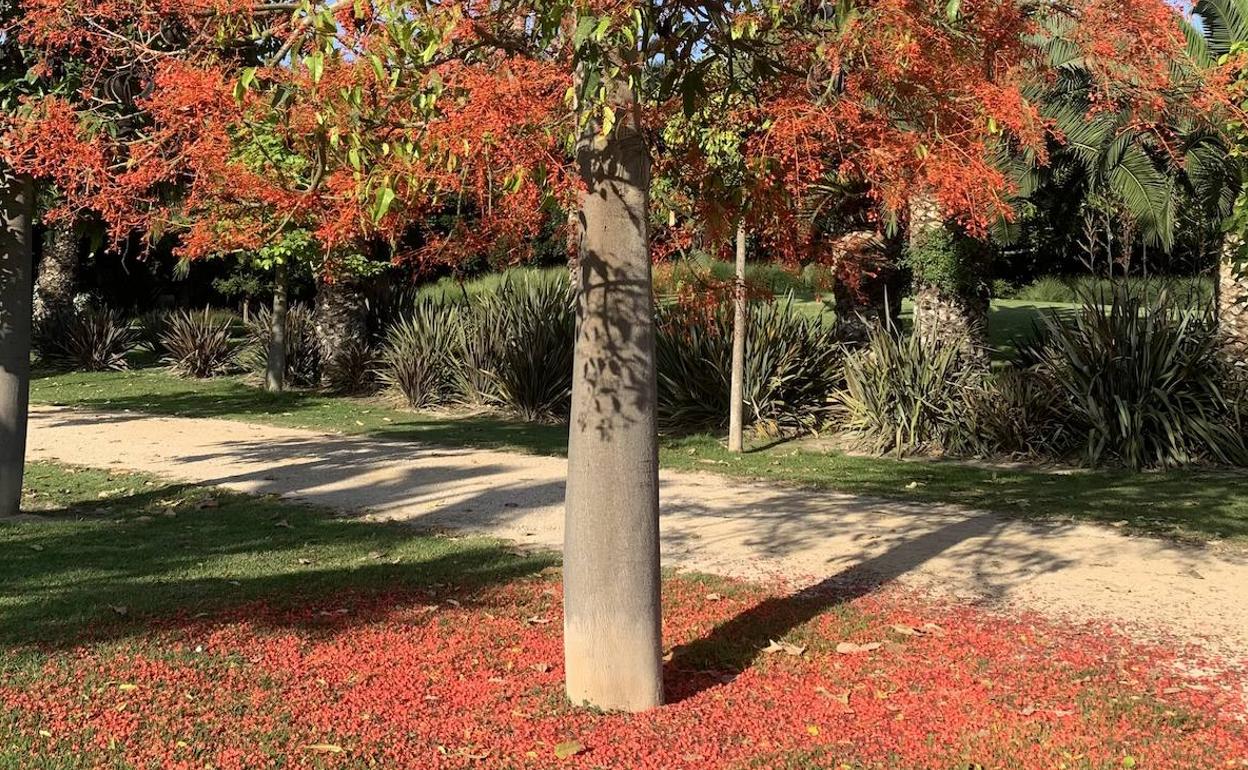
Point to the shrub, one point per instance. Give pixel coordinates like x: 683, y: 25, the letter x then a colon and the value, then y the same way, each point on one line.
x: 354, y: 370
x: 1189, y: 291
x: 1018, y: 413
x: 1142, y: 379
x: 151, y: 327
x: 904, y: 395
x: 89, y: 340
x: 527, y: 369
x: 303, y: 360
x: 418, y: 356
x: 793, y: 364
x: 198, y: 344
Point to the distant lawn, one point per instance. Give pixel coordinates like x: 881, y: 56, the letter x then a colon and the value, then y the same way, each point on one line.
x: 1201, y: 505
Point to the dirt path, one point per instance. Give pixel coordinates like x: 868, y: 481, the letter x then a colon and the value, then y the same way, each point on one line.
x: 709, y: 522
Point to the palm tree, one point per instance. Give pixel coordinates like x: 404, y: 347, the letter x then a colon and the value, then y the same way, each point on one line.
x: 1221, y: 175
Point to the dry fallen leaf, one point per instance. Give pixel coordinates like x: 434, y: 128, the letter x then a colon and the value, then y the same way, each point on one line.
x: 568, y: 749
x: 537, y: 621
x: 120, y: 609
x: 905, y: 630
x: 713, y: 597
x: 785, y: 647
x: 325, y: 748
x: 849, y: 648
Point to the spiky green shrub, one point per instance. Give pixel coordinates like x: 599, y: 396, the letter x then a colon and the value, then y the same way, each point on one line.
x: 520, y: 340
x: 354, y: 371
x: 303, y: 358
x: 1142, y: 379
x: 88, y: 340
x: 418, y: 356
x: 793, y: 364
x: 1017, y: 413
x: 904, y: 396
x: 150, y: 327
x: 198, y: 344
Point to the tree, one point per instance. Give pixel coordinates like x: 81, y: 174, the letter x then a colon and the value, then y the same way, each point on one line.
x: 402, y: 109
x: 16, y: 265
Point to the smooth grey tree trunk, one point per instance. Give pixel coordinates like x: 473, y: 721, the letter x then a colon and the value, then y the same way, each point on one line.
x: 736, y: 412
x: 58, y: 273
x: 16, y: 266
x: 275, y: 363
x: 612, y: 636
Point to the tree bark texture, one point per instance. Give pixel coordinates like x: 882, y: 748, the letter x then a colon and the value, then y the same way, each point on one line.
x: 736, y: 413
x: 612, y: 637
x: 58, y: 274
x: 16, y: 265
x: 275, y: 362
x: 1232, y: 289
x: 341, y: 321
x: 940, y: 315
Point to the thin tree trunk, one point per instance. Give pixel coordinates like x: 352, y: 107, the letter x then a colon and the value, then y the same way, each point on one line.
x: 275, y: 364
x: 1232, y: 299
x: 736, y: 414
x: 612, y: 636
x: 58, y: 274
x: 16, y: 264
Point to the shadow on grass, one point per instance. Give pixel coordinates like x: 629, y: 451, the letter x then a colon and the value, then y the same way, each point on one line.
x: 107, y: 568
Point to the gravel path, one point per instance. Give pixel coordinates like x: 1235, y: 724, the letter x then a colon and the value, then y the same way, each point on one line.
x: 711, y: 523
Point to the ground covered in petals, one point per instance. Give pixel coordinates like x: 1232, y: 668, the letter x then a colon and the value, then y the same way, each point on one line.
x: 412, y: 667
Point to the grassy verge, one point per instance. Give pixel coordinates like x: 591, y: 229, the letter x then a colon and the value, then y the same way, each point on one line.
x: 1188, y: 504
x: 109, y: 549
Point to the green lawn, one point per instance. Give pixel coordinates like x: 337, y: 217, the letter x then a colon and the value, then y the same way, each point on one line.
x: 111, y: 548
x: 1189, y: 504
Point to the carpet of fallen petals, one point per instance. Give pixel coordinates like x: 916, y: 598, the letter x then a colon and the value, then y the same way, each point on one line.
x: 445, y: 677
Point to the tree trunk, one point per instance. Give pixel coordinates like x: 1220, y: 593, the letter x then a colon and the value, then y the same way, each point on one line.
x: 612, y: 636
x: 1232, y: 290
x: 736, y: 413
x: 876, y: 299
x: 275, y: 363
x: 58, y: 274
x: 341, y: 325
x: 943, y: 315
x: 16, y: 264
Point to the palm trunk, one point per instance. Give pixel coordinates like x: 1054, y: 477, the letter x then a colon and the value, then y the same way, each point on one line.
x: 16, y: 264
x: 876, y: 298
x: 736, y: 413
x: 341, y: 324
x: 1232, y: 300
x: 941, y: 315
x: 58, y: 274
x: 275, y: 363
x: 612, y: 636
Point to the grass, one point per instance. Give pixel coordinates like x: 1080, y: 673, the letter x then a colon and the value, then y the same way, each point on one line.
x: 146, y: 624
x: 1194, y: 505
x: 110, y: 549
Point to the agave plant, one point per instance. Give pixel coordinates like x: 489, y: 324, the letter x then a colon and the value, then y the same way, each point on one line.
x: 89, y: 340
x: 1143, y: 380
x: 198, y: 344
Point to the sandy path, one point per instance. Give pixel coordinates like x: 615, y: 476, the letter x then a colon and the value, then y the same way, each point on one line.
x: 709, y: 522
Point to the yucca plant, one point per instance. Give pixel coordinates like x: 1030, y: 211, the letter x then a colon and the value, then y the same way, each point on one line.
x: 88, y: 340
x: 303, y: 358
x: 354, y: 370
x: 1143, y: 381
x: 905, y: 396
x: 418, y: 356
x: 151, y: 327
x: 198, y: 344
x: 792, y: 366
x: 521, y: 349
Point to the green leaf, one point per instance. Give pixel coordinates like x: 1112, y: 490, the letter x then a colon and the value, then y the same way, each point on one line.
x: 568, y: 749
x: 382, y: 203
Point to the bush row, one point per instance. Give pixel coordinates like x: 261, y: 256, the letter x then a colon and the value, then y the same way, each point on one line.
x: 1128, y: 379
